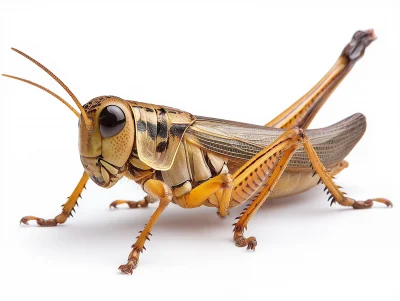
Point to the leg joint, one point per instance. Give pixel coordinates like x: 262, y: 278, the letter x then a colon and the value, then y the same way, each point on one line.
x: 228, y: 181
x: 300, y: 132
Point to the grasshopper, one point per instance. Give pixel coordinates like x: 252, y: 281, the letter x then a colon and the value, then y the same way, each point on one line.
x: 193, y: 161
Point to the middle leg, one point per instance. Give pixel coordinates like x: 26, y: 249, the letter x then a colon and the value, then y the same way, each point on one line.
x: 134, y: 204
x: 161, y: 191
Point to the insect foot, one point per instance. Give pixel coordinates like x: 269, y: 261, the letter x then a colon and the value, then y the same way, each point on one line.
x: 241, y: 241
x: 40, y: 221
x: 369, y: 203
x: 129, y: 267
x: 132, y: 204
x: 133, y: 260
x: 222, y: 216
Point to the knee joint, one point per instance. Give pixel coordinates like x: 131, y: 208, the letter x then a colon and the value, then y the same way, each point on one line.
x: 228, y: 180
x: 299, y: 132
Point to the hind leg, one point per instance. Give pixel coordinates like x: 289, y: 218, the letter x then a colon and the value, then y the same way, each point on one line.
x: 157, y: 190
x: 303, y: 111
x: 336, y: 194
x: 256, y: 179
x: 261, y: 173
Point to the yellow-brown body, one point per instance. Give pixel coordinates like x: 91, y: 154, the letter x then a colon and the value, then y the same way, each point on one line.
x: 200, y: 148
x: 193, y: 161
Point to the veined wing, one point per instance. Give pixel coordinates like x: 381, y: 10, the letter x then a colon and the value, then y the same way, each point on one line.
x: 241, y: 141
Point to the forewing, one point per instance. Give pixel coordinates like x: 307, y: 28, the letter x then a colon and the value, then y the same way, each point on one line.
x: 241, y: 141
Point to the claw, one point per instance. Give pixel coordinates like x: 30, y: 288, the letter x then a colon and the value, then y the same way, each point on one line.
x: 28, y: 218
x: 252, y: 243
x: 383, y: 201
x: 40, y: 221
x: 119, y: 202
x: 24, y: 221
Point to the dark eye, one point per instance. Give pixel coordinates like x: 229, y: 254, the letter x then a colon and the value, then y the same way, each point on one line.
x: 111, y: 120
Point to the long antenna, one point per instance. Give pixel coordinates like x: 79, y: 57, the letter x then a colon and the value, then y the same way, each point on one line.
x: 44, y: 89
x: 84, y: 115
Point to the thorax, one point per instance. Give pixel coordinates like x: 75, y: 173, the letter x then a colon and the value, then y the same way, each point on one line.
x: 191, y: 167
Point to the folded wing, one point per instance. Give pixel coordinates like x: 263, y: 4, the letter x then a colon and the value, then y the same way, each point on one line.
x: 241, y: 141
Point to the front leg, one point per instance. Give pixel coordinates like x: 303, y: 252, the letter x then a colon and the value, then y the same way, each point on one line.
x: 195, y: 198
x: 159, y: 190
x: 68, y: 207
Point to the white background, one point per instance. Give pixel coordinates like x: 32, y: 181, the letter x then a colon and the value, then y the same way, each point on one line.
x: 244, y: 61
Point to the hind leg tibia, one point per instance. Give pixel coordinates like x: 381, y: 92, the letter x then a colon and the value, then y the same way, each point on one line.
x: 303, y: 111
x: 336, y: 195
x: 256, y: 179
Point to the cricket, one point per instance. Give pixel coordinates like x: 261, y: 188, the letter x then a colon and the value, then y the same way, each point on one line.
x: 194, y: 161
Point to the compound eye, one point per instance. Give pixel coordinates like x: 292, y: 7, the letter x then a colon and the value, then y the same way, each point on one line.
x: 112, y: 121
